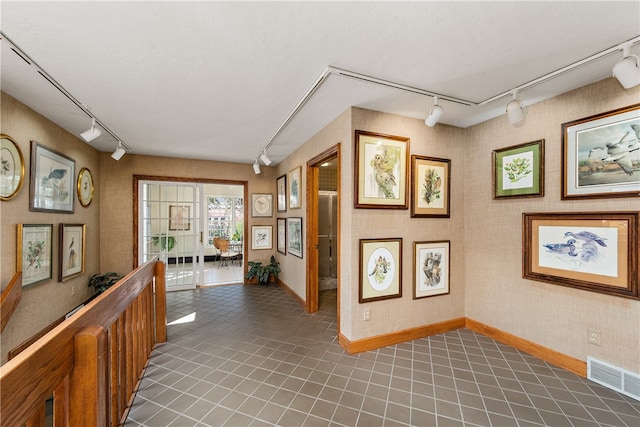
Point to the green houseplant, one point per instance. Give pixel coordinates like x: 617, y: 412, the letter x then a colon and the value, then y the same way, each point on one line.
x: 163, y: 240
x: 263, y: 273
x: 102, y: 282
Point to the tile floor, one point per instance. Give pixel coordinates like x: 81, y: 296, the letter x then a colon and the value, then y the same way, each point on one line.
x: 250, y: 356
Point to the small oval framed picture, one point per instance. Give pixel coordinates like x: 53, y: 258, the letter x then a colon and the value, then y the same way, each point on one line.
x: 85, y: 187
x: 11, y: 168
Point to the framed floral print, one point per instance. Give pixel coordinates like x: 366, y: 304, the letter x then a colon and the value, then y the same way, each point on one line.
x: 430, y: 187
x: 281, y: 191
x: 380, y: 269
x: 53, y: 178
x: 381, y: 171
x: 431, y: 264
x: 295, y: 188
x: 595, y: 251
x: 71, y: 251
x: 282, y: 236
x: 601, y: 155
x: 34, y: 249
x: 11, y: 168
x: 518, y: 171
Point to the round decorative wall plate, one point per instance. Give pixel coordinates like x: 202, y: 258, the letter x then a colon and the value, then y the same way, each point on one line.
x: 85, y: 187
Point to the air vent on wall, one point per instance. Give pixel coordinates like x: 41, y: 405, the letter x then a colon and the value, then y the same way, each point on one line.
x: 618, y: 379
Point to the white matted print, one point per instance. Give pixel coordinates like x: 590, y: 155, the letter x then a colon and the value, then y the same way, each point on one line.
x: 431, y: 268
x: 261, y: 236
x: 380, y: 269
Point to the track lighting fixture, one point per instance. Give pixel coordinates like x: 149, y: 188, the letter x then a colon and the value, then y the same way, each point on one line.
x: 120, y: 151
x: 256, y: 167
x: 515, y: 109
x: 265, y: 159
x: 434, y: 114
x: 627, y: 70
x: 92, y: 133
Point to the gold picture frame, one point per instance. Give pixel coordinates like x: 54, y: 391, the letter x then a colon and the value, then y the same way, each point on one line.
x: 11, y: 168
x: 380, y: 269
x: 85, y: 187
x: 381, y: 171
x: 294, y: 184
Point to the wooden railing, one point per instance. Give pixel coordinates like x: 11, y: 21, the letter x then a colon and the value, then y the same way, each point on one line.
x: 92, y: 362
x: 10, y: 299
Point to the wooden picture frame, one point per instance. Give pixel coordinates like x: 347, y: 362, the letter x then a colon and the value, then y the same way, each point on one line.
x: 281, y: 193
x: 53, y: 182
x: 261, y: 237
x: 592, y: 251
x: 11, y: 168
x: 294, y: 186
x: 34, y: 253
x: 281, y: 245
x: 601, y: 155
x: 261, y: 205
x: 71, y: 251
x: 430, y: 187
x: 294, y: 236
x: 381, y: 171
x: 431, y: 268
x: 179, y: 218
x: 380, y: 269
x: 518, y: 170
x: 85, y: 187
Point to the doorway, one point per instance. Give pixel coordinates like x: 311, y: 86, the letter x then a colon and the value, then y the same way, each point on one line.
x: 178, y: 220
x: 323, y: 227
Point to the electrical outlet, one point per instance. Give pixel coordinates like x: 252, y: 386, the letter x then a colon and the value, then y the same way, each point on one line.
x: 366, y: 314
x: 73, y: 290
x: 593, y: 336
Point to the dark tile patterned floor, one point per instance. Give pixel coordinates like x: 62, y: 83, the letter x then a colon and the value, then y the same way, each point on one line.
x: 250, y: 356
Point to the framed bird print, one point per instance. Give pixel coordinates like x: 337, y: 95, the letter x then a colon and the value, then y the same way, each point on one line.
x: 71, y: 251
x: 592, y: 251
x: 380, y: 269
x: 518, y: 171
x: 53, y: 177
x: 381, y: 171
x: 11, y: 168
x: 431, y: 268
x: 430, y: 187
x: 601, y: 155
x: 34, y: 249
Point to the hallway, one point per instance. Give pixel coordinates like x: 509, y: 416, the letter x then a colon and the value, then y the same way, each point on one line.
x: 250, y: 356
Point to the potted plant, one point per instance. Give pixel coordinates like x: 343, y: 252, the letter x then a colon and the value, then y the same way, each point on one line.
x: 102, y: 282
x: 261, y: 273
x: 165, y: 241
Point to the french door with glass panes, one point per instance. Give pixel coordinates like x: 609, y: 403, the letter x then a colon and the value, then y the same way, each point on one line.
x: 170, y: 228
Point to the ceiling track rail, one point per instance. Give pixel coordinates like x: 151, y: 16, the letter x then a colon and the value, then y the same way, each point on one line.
x: 26, y: 58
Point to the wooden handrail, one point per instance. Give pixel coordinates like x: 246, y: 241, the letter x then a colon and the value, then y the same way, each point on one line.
x: 82, y: 360
x: 10, y: 299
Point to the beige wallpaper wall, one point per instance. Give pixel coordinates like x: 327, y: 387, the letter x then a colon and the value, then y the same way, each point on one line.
x: 553, y: 316
x: 43, y: 303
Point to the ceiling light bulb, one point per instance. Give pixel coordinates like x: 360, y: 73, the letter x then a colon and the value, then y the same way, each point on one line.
x: 626, y: 70
x: 120, y: 151
x: 266, y: 160
x: 256, y: 167
x: 515, y: 110
x: 92, y: 133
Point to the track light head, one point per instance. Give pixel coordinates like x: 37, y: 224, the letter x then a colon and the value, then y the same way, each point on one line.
x: 627, y: 70
x: 515, y: 109
x: 92, y: 133
x: 434, y: 114
x: 256, y: 167
x: 265, y: 159
x: 120, y: 151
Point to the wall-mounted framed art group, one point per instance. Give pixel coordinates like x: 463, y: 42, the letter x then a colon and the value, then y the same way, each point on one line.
x: 52, y: 180
x: 430, y: 187
x: 381, y: 171
x: 11, y: 168
x: 592, y: 251
x: 601, y: 155
x: 380, y: 269
x: 518, y: 170
x: 34, y: 252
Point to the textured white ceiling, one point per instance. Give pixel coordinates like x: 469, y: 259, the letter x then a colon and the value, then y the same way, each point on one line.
x: 215, y: 80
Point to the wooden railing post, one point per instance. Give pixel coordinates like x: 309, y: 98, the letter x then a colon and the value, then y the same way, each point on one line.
x: 161, y: 303
x: 89, y: 391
